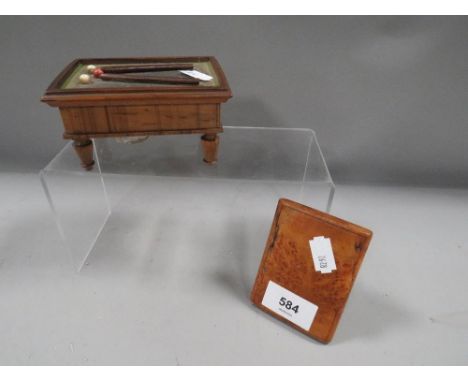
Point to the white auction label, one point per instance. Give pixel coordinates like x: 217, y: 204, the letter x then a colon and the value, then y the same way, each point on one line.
x: 322, y: 254
x: 198, y: 75
x: 289, y: 305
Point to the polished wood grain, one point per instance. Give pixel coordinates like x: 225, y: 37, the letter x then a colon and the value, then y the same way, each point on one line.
x: 146, y: 119
x: 147, y: 110
x: 210, y: 144
x: 84, y: 150
x: 287, y: 260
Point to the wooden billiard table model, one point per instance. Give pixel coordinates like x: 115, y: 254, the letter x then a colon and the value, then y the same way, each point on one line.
x: 125, y: 97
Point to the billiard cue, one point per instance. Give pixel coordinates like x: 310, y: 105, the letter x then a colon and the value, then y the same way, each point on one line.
x: 145, y: 68
x: 149, y: 79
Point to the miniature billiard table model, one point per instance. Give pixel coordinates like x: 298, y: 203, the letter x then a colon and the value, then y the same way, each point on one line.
x: 125, y: 97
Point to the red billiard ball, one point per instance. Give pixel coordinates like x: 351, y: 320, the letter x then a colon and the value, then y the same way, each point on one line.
x: 98, y: 72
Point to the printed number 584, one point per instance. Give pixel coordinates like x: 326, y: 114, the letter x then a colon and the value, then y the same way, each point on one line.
x: 288, y: 305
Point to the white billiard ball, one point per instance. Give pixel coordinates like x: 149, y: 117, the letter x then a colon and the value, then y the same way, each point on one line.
x: 85, y: 79
x: 90, y: 68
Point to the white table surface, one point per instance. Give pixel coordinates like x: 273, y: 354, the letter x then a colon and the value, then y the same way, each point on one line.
x: 144, y: 298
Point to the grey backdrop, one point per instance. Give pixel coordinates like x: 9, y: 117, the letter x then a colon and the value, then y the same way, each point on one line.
x: 387, y: 96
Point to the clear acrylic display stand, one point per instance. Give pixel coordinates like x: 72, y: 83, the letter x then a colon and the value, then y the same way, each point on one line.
x: 163, y: 182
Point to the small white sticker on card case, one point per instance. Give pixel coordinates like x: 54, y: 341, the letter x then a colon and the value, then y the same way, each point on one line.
x: 322, y: 254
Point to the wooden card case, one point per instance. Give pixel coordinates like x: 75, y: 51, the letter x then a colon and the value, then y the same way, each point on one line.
x: 287, y: 261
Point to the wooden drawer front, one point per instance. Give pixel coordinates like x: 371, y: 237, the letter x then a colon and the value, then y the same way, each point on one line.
x: 83, y: 120
x: 162, y: 117
x: 148, y: 118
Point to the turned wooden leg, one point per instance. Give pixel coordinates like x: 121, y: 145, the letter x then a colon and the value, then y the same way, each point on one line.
x: 210, y: 143
x: 84, y: 149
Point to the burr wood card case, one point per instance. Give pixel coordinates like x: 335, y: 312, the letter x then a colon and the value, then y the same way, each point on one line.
x: 309, y: 265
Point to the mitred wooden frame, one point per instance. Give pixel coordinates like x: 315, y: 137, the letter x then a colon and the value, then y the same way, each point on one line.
x: 54, y: 93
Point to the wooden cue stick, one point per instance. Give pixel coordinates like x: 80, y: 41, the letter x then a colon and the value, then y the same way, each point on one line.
x: 145, y: 68
x: 149, y: 79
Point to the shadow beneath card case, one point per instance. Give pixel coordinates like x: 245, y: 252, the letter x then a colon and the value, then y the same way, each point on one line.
x: 369, y: 314
x: 244, y: 243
